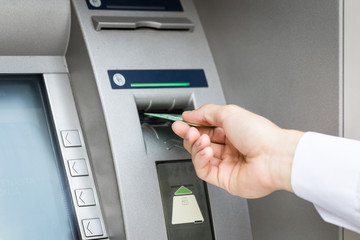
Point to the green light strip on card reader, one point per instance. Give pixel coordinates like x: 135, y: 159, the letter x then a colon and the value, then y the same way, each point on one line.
x: 178, y: 84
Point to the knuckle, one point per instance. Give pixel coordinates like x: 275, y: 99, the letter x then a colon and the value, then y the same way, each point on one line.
x: 205, y: 118
x: 208, y: 105
x: 226, y: 111
x: 231, y: 108
x: 200, y: 175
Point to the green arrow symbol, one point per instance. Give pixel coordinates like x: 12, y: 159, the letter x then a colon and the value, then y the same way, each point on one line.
x: 183, y: 191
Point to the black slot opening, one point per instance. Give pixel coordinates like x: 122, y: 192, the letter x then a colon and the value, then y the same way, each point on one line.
x: 154, y: 121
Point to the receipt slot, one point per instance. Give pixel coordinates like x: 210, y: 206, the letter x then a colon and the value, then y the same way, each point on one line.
x: 185, y: 202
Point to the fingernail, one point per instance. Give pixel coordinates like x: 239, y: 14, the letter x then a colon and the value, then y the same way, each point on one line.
x: 203, y: 152
x: 186, y: 112
x: 198, y: 143
x: 186, y: 137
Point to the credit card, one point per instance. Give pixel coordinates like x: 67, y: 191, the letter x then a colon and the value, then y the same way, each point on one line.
x: 172, y: 117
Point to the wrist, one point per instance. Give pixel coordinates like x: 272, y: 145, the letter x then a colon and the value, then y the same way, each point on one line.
x: 283, y: 159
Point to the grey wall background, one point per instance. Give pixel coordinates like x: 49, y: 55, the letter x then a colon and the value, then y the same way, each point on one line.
x: 281, y: 59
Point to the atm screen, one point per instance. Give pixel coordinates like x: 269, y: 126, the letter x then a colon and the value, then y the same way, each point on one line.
x: 35, y: 200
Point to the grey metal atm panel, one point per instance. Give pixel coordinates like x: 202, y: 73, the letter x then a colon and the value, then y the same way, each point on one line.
x: 89, y: 60
x: 34, y: 28
x: 281, y: 59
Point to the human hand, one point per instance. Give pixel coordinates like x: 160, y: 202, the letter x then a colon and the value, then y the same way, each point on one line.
x: 245, y: 154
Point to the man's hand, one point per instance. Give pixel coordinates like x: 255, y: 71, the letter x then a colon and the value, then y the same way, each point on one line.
x: 244, y: 153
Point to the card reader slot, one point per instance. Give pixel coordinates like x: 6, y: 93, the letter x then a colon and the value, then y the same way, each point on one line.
x: 164, y: 104
x: 159, y: 140
x: 106, y: 22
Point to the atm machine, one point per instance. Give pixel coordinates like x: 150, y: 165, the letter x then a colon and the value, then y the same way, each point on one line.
x: 80, y: 159
x: 130, y: 57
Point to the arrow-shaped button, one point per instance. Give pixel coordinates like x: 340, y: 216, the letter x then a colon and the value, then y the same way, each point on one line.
x: 71, y: 138
x: 73, y: 168
x: 85, y: 197
x: 92, y: 227
x: 78, y: 167
x: 81, y: 198
x: 67, y: 138
x: 87, y: 228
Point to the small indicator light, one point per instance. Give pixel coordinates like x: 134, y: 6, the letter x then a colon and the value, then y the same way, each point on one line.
x: 178, y: 84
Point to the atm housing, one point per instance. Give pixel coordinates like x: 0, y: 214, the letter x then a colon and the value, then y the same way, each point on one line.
x: 170, y: 48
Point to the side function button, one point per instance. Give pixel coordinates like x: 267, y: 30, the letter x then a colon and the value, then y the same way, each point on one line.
x: 92, y: 227
x: 71, y: 138
x: 78, y: 167
x: 85, y: 197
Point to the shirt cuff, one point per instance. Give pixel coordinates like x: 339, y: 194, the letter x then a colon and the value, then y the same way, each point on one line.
x: 326, y: 172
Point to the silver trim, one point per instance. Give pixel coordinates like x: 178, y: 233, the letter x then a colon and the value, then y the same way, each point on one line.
x: 33, y: 64
x: 351, y: 59
x: 66, y: 118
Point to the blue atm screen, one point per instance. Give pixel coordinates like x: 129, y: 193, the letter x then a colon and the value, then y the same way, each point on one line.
x: 34, y: 197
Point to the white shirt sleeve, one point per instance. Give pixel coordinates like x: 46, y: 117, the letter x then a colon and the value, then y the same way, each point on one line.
x: 326, y: 172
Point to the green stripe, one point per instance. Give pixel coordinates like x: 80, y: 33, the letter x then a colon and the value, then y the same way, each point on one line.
x: 178, y: 84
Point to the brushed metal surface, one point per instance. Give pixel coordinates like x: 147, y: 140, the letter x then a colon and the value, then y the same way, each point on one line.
x: 36, y: 27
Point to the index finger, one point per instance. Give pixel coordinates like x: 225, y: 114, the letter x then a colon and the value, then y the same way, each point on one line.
x: 216, y: 135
